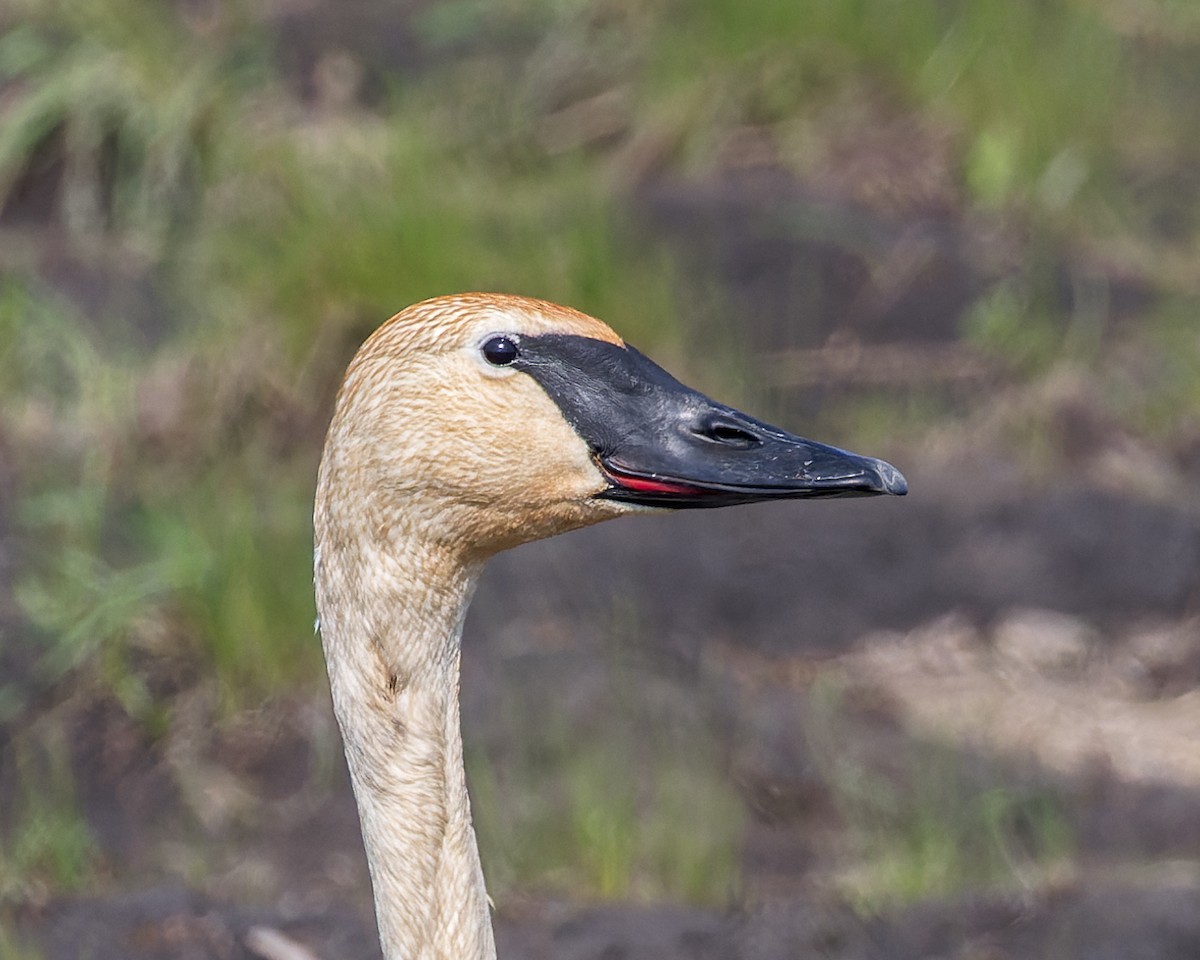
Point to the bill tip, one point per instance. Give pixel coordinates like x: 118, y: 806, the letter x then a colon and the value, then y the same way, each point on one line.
x: 892, y: 479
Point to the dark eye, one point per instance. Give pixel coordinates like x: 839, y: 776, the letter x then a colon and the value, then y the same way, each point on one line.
x: 500, y: 351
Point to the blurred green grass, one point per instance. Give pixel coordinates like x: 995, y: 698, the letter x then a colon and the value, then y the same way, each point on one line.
x: 628, y: 803
x: 13, y: 949
x: 45, y: 844
x: 941, y: 820
x: 164, y: 461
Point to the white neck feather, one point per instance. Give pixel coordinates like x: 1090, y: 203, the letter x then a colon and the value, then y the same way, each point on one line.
x: 391, y: 620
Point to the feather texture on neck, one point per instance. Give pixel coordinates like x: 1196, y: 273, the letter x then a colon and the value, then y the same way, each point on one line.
x: 391, y: 620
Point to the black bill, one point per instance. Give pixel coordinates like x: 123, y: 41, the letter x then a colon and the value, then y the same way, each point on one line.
x: 662, y: 444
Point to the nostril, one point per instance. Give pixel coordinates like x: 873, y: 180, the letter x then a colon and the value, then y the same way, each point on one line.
x: 728, y: 432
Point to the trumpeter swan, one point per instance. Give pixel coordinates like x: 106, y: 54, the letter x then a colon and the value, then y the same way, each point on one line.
x: 464, y: 426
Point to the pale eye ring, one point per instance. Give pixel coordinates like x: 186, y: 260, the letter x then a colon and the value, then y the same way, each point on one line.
x: 500, y: 351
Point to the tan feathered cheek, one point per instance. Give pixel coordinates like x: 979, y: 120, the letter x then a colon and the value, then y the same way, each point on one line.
x: 500, y: 438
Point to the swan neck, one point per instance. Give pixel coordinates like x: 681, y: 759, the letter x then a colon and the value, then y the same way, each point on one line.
x: 391, y: 618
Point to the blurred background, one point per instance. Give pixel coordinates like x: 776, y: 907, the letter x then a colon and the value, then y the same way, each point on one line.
x: 964, y: 236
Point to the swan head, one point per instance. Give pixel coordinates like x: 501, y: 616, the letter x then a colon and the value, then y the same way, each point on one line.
x: 482, y: 421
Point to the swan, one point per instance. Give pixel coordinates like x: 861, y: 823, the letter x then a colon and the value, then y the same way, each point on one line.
x: 466, y: 425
